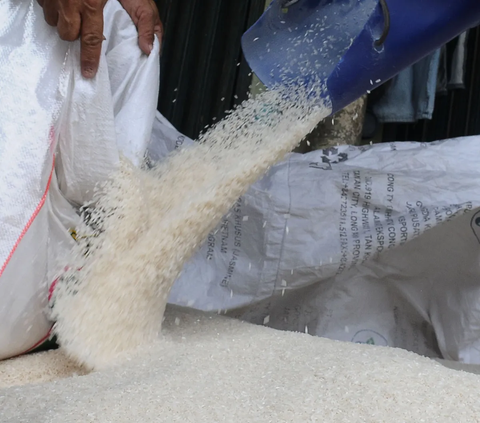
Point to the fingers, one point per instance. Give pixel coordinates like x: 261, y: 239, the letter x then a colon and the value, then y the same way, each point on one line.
x: 144, y: 14
x: 91, y: 38
x: 146, y: 27
x: 69, y: 22
x: 64, y: 15
x: 79, y: 18
x: 50, y: 12
x: 158, y: 28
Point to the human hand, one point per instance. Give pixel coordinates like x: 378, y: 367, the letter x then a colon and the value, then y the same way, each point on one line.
x: 84, y: 19
x: 79, y: 19
x: 144, y: 14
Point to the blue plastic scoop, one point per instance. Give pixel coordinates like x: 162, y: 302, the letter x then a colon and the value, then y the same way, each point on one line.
x: 350, y: 46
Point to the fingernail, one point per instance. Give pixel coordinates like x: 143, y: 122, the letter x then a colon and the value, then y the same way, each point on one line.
x: 88, y: 72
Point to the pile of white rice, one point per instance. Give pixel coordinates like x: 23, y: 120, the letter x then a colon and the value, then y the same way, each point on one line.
x: 215, y: 369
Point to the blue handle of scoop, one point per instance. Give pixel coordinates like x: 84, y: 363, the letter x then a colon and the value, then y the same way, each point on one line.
x: 338, y: 43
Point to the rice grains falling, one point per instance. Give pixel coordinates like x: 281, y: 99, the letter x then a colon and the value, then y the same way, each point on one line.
x: 147, y: 223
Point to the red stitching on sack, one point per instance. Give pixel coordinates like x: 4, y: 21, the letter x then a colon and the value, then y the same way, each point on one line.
x: 29, y: 223
x: 44, y: 339
x: 50, y: 295
x: 27, y: 227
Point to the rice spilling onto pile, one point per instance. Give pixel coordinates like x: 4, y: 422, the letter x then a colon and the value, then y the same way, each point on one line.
x: 147, y: 223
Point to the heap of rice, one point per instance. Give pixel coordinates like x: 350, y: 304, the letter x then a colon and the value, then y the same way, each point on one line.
x: 215, y: 369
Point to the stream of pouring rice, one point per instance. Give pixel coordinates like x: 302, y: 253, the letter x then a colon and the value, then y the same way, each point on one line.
x: 152, y: 221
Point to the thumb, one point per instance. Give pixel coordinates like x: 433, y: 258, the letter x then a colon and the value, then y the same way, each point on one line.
x: 146, y: 28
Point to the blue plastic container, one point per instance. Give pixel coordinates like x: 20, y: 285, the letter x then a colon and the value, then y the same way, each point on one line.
x: 352, y: 46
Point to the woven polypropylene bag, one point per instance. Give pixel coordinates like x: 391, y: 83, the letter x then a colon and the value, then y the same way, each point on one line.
x: 60, y: 135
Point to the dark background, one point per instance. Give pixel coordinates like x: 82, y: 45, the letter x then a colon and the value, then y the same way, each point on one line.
x: 200, y: 76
